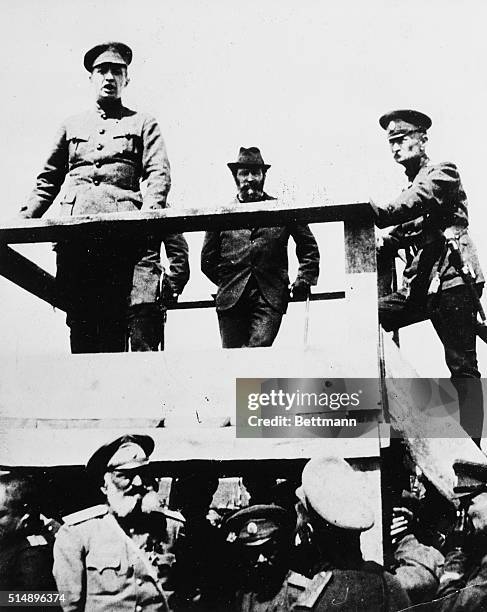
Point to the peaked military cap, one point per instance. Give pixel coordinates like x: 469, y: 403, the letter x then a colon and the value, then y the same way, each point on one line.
x: 124, y: 453
x: 257, y: 524
x: 248, y: 158
x: 108, y: 53
x: 334, y: 491
x: 471, y: 477
x: 398, y: 123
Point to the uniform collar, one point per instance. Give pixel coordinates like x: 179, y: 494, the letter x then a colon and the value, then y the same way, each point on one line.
x: 110, y: 109
x: 413, y: 170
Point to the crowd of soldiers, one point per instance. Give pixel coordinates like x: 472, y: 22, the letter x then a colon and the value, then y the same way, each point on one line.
x: 290, y: 549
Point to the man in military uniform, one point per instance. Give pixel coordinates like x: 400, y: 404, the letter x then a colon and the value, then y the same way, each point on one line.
x: 463, y: 583
x: 201, y: 581
x: 118, y: 556
x: 250, y: 266
x: 430, y: 220
x: 261, y: 539
x: 105, y: 154
x: 25, y: 542
x: 332, y: 513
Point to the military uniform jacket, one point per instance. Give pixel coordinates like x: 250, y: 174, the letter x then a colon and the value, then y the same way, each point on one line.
x: 281, y: 601
x: 434, y: 201
x: 463, y: 585
x: 230, y: 258
x: 418, y: 568
x: 97, y: 567
x: 366, y: 589
x: 104, y: 154
x: 26, y: 564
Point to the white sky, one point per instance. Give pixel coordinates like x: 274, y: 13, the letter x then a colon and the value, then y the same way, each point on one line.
x: 305, y: 81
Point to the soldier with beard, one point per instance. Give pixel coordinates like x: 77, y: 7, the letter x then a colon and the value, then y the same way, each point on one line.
x: 250, y: 266
x: 117, y: 556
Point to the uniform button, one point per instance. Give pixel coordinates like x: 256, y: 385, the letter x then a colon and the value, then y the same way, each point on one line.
x: 99, y: 146
x: 140, y: 582
x: 101, y: 130
x: 138, y: 608
x: 96, y: 182
x: 103, y: 116
x: 97, y: 164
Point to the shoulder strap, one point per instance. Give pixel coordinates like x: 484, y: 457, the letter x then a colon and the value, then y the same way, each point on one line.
x: 315, y: 588
x: 85, y: 515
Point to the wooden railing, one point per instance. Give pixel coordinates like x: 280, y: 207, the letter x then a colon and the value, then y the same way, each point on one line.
x: 357, y: 219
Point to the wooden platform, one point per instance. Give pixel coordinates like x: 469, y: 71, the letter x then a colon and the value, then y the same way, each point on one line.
x: 141, y: 389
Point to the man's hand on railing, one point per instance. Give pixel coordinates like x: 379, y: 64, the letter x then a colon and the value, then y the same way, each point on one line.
x: 300, y: 290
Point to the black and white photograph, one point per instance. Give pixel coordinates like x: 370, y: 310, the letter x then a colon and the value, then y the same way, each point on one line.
x: 244, y: 332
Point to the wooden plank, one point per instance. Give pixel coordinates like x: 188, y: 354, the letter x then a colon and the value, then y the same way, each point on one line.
x: 177, y: 220
x: 359, y: 245
x: 26, y: 274
x: 315, y: 297
x: 172, y: 384
x: 434, y: 438
x: 72, y: 447
x: 360, y: 319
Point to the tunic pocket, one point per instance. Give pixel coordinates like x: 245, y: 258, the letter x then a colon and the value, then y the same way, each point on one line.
x: 126, y: 143
x: 78, y: 146
x: 67, y: 203
x: 106, y: 574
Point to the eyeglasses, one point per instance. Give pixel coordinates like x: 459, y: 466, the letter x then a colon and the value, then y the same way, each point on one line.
x: 123, y: 478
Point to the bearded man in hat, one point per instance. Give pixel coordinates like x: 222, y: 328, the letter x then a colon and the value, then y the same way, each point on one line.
x: 111, y: 288
x: 250, y: 266
x: 118, y: 555
x: 442, y: 279
x: 333, y: 512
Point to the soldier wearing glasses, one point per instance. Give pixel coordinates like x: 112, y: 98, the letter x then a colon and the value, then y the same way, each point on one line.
x: 118, y: 555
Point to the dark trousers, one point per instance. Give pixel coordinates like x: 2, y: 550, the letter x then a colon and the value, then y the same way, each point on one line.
x: 96, y: 336
x: 146, y: 327
x: 251, y: 322
x: 453, y: 314
x: 95, y: 280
